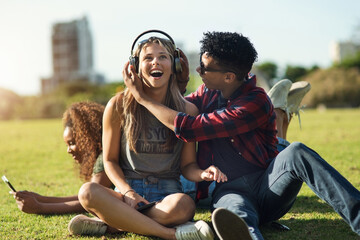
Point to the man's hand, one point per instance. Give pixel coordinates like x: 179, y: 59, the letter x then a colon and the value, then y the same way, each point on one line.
x: 133, y: 82
x: 164, y: 114
x: 182, y: 78
x: 213, y: 173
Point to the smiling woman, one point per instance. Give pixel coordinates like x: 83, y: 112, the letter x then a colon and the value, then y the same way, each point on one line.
x: 82, y: 134
x: 155, y: 66
x: 143, y: 158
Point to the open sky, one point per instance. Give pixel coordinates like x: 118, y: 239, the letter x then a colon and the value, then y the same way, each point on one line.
x: 282, y: 31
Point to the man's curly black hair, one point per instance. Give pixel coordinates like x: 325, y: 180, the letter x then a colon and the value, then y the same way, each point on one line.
x: 230, y: 51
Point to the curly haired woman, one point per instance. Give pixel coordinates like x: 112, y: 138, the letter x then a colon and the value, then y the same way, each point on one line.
x: 82, y: 135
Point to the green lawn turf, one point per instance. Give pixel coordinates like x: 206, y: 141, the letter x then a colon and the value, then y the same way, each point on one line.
x: 33, y: 157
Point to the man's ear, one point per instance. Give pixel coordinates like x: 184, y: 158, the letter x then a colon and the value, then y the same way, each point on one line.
x: 230, y: 77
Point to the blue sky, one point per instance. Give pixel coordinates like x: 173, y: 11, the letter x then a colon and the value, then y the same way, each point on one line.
x: 282, y: 31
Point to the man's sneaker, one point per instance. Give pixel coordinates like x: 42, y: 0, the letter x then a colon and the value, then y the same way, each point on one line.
x: 194, y: 231
x: 279, y: 94
x: 297, y: 92
x: 83, y: 225
x: 229, y: 226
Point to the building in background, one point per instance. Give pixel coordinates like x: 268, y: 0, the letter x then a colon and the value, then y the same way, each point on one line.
x: 72, y: 56
x: 340, y: 51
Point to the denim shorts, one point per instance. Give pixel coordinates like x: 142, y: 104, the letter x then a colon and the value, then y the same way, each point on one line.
x: 155, y: 189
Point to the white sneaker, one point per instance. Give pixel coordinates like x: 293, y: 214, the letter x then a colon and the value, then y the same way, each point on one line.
x: 279, y: 94
x: 83, y: 225
x: 229, y: 226
x: 297, y: 92
x: 194, y: 231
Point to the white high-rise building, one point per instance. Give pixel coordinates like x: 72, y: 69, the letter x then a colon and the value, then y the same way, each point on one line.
x: 72, y: 55
x: 343, y: 50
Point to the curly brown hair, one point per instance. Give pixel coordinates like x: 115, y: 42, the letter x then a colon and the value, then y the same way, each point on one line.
x: 85, y: 121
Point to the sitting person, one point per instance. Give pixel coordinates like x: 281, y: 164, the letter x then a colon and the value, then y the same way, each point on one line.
x: 236, y: 132
x: 286, y: 98
x: 82, y: 135
x: 144, y: 159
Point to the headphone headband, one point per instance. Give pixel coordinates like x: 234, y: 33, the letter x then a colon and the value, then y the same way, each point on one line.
x: 134, y: 61
x: 149, y: 31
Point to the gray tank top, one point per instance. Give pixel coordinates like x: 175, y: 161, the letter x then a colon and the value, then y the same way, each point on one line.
x: 153, y: 157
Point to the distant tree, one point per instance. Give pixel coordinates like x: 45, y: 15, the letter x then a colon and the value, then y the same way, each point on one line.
x: 355, y: 36
x: 313, y: 68
x: 71, y: 89
x: 294, y: 73
x: 8, y: 103
x: 31, y: 108
x: 52, y: 105
x: 52, y: 109
x: 269, y: 69
x: 350, y: 62
x: 333, y: 87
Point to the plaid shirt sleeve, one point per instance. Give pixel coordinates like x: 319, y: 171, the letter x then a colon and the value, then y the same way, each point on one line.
x: 239, y: 116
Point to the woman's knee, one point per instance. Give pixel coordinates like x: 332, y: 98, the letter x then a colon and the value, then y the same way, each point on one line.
x: 88, y: 193
x: 180, y: 206
x: 187, y: 205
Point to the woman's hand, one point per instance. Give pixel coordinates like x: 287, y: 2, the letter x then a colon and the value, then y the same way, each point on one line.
x: 213, y: 173
x: 27, y: 201
x: 133, y: 199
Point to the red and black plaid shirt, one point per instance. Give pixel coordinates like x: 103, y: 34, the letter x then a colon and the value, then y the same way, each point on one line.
x: 246, y: 120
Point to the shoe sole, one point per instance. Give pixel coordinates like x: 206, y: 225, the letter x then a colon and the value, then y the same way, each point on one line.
x: 78, y: 231
x: 70, y: 224
x: 205, y: 230
x: 296, y: 96
x: 304, y: 89
x: 229, y: 226
x: 279, y: 93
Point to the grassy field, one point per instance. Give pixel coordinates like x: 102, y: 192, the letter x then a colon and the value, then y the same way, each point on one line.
x: 33, y: 157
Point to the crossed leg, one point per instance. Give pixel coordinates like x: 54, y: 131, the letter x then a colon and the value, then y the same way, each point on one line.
x: 110, y: 208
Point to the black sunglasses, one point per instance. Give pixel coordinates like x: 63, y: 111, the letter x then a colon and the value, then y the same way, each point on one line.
x: 204, y: 69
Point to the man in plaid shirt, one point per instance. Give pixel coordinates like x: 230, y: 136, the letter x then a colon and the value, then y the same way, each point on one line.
x: 236, y: 133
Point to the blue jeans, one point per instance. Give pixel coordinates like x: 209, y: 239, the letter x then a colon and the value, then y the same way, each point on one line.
x: 282, y: 144
x: 154, y: 189
x: 268, y: 195
x: 190, y: 187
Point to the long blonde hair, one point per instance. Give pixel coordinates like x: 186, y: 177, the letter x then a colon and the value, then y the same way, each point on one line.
x: 134, y: 117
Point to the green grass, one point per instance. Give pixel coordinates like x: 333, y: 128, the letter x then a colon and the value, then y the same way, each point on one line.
x: 33, y: 157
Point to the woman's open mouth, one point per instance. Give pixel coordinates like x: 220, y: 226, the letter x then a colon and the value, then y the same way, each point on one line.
x: 156, y: 73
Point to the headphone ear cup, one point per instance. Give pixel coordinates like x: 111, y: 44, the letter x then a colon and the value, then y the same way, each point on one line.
x: 134, y: 61
x: 177, y: 63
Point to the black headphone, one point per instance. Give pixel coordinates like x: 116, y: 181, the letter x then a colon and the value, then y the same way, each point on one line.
x: 134, y: 61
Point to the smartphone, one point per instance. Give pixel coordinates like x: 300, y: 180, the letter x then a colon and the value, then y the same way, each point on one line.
x: 145, y: 206
x: 8, y: 183
x: 279, y: 226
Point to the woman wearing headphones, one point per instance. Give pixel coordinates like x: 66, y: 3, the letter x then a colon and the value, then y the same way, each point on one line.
x: 144, y: 159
